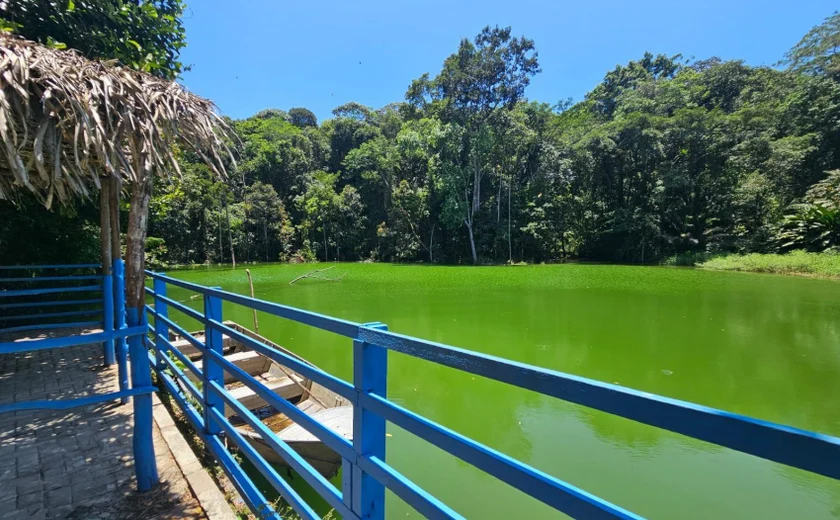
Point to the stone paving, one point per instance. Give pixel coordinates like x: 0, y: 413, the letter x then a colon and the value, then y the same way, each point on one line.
x: 77, y: 463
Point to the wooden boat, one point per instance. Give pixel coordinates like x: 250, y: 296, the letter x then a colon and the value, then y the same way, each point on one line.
x: 318, y: 402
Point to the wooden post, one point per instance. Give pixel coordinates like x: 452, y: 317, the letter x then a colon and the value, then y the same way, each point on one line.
x: 251, y: 283
x: 135, y: 301
x: 138, y: 222
x: 107, y: 282
x: 116, y: 245
x: 370, y: 374
x: 211, y: 369
x: 230, y: 235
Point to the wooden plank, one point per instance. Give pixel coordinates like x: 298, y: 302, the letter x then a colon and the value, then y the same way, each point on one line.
x: 251, y: 362
x: 189, y: 350
x: 285, y: 388
x: 338, y: 419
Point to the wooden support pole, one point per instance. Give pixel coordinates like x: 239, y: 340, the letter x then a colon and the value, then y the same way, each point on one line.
x: 138, y: 220
x: 138, y: 223
x: 251, y: 283
x: 116, y: 245
x: 107, y: 281
x: 119, y: 281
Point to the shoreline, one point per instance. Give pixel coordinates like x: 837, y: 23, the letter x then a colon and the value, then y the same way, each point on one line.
x: 796, y: 263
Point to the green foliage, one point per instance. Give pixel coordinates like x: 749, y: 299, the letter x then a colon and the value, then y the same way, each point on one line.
x: 665, y: 160
x: 817, y: 51
x: 30, y: 234
x: 144, y: 35
x: 814, y: 223
x: 486, y: 74
x: 795, y: 262
x: 147, y: 35
x: 302, y: 117
x: 156, y: 252
x: 266, y: 222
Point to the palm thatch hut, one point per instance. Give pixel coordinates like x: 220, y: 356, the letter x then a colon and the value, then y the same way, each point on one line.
x: 71, y: 127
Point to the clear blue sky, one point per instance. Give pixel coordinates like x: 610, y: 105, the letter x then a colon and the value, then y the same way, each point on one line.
x: 249, y: 55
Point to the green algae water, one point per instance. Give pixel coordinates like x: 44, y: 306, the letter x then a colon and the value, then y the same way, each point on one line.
x: 762, y: 345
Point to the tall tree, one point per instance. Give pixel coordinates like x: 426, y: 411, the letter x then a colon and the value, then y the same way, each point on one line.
x: 817, y: 51
x: 485, y: 75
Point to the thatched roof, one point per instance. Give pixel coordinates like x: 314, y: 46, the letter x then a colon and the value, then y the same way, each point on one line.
x: 66, y: 120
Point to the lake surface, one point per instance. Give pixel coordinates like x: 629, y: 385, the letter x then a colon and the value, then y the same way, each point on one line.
x: 761, y: 345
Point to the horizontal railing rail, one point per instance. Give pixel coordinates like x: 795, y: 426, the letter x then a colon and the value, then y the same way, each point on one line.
x: 48, y: 266
x: 44, y: 301
x: 366, y: 472
x: 28, y: 302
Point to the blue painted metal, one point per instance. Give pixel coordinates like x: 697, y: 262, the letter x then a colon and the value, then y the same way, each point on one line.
x: 42, y: 315
x: 111, y: 297
x: 51, y: 278
x: 67, y: 341
x: 255, y: 500
x: 45, y: 326
x: 366, y: 473
x: 54, y: 303
x: 192, y: 313
x: 337, y: 443
x: 177, y: 328
x: 211, y: 369
x: 145, y: 466
x: 67, y: 404
x: 161, y: 330
x: 121, y: 348
x: 197, y: 394
x: 321, y: 321
x: 109, y: 353
x: 50, y: 266
x: 370, y: 370
x: 329, y: 381
x: 542, y: 486
x: 270, y: 474
x: 50, y: 290
x: 802, y: 449
x: 312, y: 477
x: 411, y: 493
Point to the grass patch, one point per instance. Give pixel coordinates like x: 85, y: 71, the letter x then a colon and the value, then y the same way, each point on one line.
x: 793, y: 263
x: 688, y: 259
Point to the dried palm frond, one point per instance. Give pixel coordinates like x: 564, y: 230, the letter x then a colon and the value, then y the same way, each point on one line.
x: 66, y: 120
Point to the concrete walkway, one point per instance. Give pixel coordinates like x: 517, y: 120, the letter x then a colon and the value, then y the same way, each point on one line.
x: 77, y: 464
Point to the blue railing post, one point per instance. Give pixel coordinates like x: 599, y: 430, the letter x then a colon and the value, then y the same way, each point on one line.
x: 119, y: 314
x: 211, y: 370
x: 108, y: 316
x: 370, y: 374
x: 145, y: 466
x: 161, y: 328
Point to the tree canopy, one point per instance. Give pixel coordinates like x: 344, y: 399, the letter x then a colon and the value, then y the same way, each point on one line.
x: 665, y: 156
x: 144, y: 35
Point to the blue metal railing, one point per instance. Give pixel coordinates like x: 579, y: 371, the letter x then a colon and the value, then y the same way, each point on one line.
x: 39, y: 300
x: 365, y: 472
x: 27, y: 301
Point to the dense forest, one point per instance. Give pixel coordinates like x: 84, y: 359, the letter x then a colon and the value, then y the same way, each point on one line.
x: 665, y: 157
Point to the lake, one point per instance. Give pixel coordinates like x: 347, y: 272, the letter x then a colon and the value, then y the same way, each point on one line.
x: 760, y: 345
